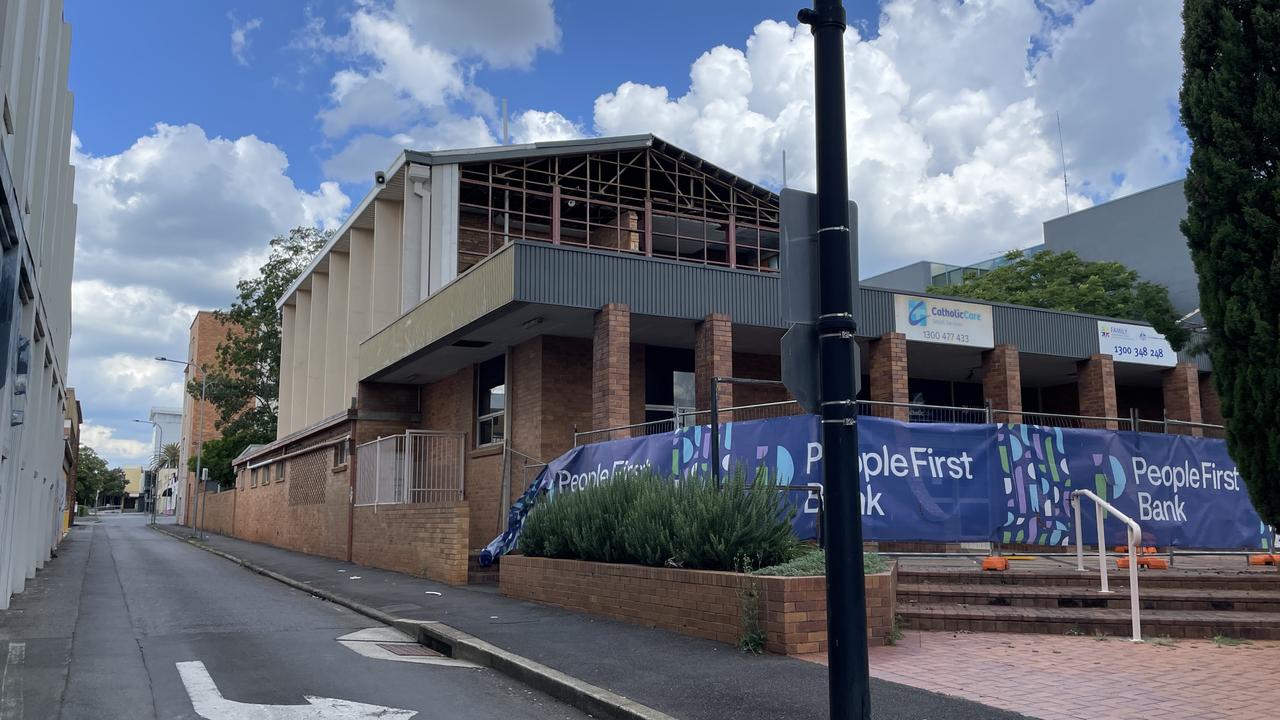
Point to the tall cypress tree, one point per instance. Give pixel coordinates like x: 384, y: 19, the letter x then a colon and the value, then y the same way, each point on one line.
x: 1231, y: 109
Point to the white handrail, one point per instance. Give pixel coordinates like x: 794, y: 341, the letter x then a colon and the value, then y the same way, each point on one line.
x: 1135, y: 536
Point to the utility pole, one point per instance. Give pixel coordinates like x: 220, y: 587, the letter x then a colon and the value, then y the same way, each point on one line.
x: 848, y: 671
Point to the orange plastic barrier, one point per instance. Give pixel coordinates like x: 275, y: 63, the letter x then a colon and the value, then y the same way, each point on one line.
x: 995, y: 562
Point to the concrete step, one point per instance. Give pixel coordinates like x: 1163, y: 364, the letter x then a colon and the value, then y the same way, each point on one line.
x: 1068, y: 597
x: 1111, y: 622
x: 1263, y: 580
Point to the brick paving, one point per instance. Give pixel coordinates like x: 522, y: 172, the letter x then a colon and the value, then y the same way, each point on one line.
x: 1056, y: 677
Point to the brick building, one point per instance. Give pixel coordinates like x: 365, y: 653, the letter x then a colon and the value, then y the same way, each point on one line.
x: 199, y: 424
x: 478, y: 307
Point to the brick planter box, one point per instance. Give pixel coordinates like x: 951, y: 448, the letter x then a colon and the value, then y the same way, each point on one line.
x: 792, y: 611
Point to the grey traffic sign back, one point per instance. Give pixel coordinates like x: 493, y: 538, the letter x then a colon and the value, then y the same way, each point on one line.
x: 800, y: 293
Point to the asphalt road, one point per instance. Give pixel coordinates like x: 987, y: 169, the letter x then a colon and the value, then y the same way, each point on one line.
x: 99, y: 634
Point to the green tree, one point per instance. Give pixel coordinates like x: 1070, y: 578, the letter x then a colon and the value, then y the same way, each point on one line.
x: 244, y: 384
x: 218, y: 454
x: 1231, y: 110
x: 92, y: 475
x: 1063, y: 281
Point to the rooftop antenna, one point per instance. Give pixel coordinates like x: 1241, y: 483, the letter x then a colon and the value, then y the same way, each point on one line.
x: 506, y: 137
x: 784, y: 168
x: 1066, y: 194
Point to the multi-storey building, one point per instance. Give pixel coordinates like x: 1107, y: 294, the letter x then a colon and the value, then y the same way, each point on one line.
x: 37, y: 234
x: 480, y: 306
x: 71, y: 454
x: 199, y: 419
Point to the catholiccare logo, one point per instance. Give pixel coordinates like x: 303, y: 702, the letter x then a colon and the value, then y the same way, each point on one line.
x: 917, y: 312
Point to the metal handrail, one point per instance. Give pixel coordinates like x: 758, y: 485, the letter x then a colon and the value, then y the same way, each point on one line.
x: 1061, y: 415
x: 735, y: 408
x: 1135, y: 534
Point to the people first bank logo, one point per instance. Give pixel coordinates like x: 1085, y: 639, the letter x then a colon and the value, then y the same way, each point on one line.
x: 917, y: 312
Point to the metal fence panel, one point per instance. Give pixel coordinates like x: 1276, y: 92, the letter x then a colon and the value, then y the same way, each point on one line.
x: 419, y: 467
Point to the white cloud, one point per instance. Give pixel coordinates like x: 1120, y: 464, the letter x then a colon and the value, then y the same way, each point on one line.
x: 538, y: 126
x: 950, y: 113
x: 503, y: 33
x: 168, y: 226
x: 240, y: 37
x: 117, y: 451
x: 368, y: 152
x: 409, y: 78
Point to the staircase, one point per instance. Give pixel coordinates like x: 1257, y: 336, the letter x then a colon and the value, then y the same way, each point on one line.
x: 1174, y: 604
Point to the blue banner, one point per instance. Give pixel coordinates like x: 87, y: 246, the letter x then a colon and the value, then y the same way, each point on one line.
x: 955, y: 482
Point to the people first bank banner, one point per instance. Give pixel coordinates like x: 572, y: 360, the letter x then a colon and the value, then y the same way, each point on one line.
x: 955, y: 482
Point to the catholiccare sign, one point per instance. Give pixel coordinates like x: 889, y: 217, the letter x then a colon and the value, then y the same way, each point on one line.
x: 1135, y: 344
x: 954, y: 482
x: 938, y: 320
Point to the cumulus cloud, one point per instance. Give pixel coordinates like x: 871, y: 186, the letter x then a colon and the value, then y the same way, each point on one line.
x: 240, y: 37
x: 168, y: 226
x: 539, y: 126
x: 409, y: 79
x: 117, y: 451
x: 950, y: 113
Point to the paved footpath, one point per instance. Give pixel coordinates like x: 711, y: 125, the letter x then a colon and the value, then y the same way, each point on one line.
x: 687, y: 678
x: 1058, y: 677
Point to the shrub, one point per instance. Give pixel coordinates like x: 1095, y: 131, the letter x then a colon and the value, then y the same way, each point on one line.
x: 646, y: 519
x: 814, y: 562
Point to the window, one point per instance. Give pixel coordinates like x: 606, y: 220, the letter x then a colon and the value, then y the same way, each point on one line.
x: 253, y: 475
x: 340, y: 455
x: 491, y: 400
x: 280, y: 471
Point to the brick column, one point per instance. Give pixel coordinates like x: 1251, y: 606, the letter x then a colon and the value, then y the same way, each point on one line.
x: 1182, y: 397
x: 888, y: 373
x: 611, y: 368
x: 713, y: 357
x: 1002, y: 381
x: 1210, y: 402
x: 1096, y: 383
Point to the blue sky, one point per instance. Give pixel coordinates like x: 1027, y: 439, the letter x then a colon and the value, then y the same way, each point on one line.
x: 204, y: 128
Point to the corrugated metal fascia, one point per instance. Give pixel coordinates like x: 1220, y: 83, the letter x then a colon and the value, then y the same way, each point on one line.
x: 1045, y: 332
x: 472, y: 295
x: 876, y: 312
x: 579, y: 277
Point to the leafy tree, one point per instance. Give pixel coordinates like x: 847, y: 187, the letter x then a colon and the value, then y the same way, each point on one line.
x: 219, y: 453
x: 91, y: 475
x: 244, y: 384
x: 1063, y: 281
x: 1231, y: 109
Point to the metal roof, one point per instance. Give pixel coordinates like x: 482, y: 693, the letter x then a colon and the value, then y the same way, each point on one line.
x: 505, y: 152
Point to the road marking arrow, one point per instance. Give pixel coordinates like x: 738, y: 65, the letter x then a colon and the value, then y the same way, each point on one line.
x: 209, y: 703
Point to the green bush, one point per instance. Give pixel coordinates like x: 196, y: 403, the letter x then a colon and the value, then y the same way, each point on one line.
x: 646, y: 519
x: 814, y: 562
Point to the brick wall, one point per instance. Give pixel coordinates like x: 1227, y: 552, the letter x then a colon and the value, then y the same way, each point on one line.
x: 713, y: 357
x: 429, y: 541
x: 204, y: 336
x: 611, y: 368
x: 888, y: 373
x: 220, y: 512
x: 314, y: 517
x: 566, y: 393
x: 1096, y: 384
x: 1210, y: 402
x: 701, y: 603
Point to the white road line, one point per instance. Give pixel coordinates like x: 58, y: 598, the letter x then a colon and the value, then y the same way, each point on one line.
x: 11, y: 684
x: 208, y: 703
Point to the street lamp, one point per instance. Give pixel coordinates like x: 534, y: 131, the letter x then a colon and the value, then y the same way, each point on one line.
x: 155, y: 472
x: 199, y: 506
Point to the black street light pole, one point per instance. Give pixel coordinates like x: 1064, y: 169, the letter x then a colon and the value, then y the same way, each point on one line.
x: 849, y: 684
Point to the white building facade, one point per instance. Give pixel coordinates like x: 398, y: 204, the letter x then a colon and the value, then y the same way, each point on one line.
x: 37, y: 234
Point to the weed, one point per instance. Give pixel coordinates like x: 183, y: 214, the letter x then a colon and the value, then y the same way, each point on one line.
x: 1162, y: 641
x: 1075, y: 630
x: 895, y: 632
x: 1228, y: 641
